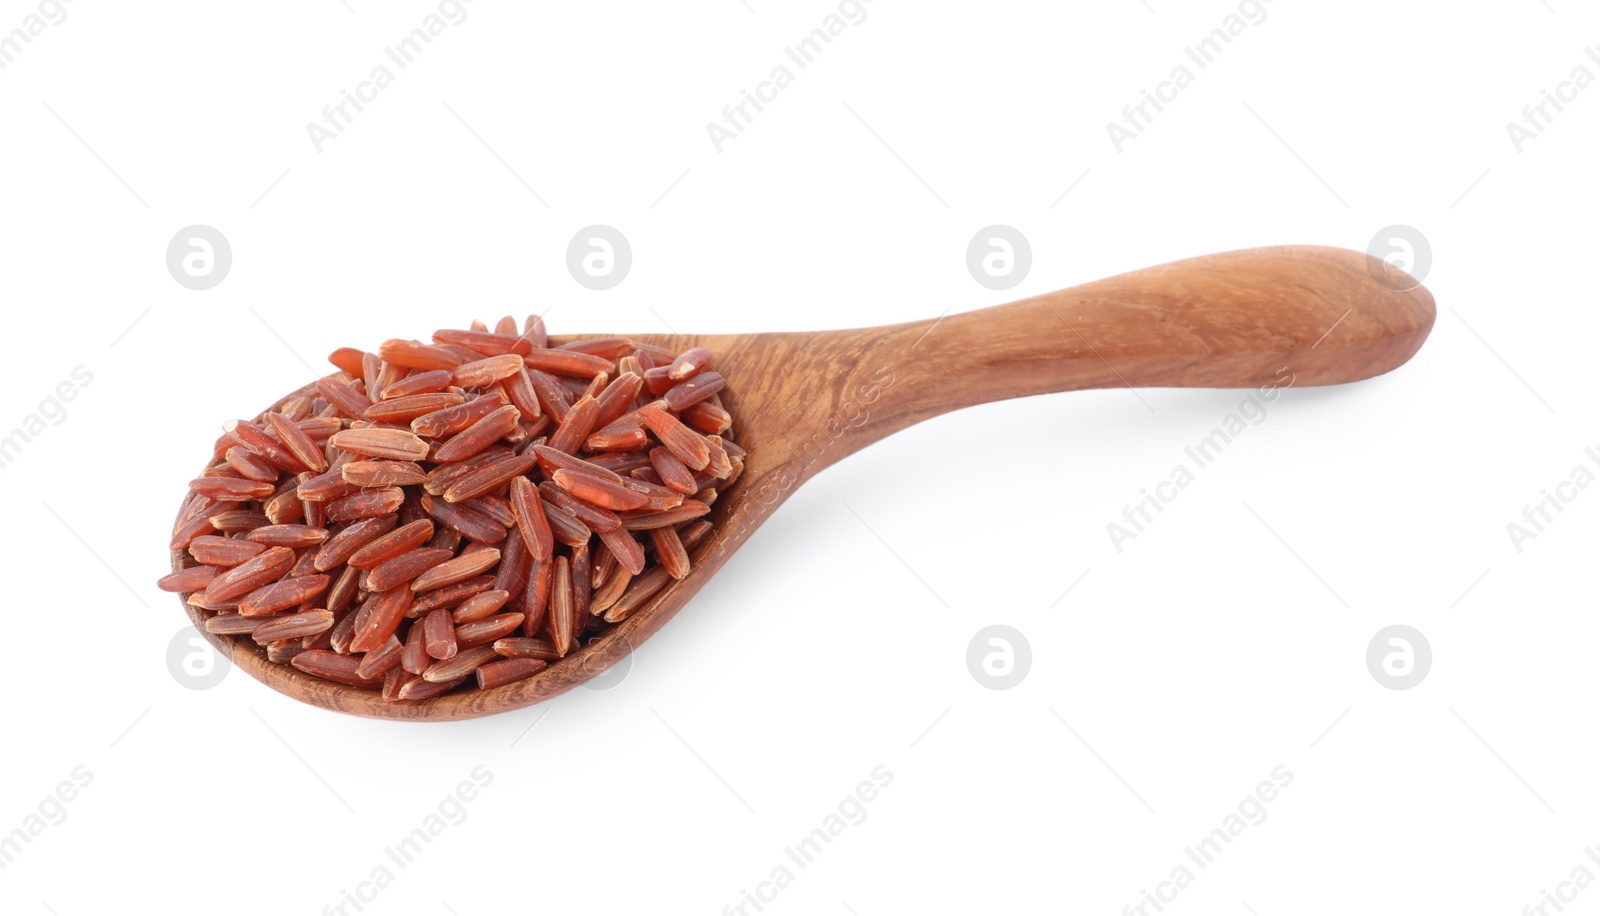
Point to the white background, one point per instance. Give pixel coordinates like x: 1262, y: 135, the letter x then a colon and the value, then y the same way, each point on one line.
x: 1228, y: 639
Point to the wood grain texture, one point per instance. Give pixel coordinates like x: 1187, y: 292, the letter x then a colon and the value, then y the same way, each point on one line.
x: 802, y: 401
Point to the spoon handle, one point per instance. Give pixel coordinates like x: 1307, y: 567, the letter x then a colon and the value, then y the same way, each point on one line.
x: 1262, y: 317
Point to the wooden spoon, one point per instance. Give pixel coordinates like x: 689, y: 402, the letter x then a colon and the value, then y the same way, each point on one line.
x: 802, y: 401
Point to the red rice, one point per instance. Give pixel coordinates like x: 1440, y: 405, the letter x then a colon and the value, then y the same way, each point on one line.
x: 471, y: 522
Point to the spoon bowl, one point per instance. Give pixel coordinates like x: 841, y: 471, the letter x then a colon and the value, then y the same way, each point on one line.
x: 1270, y: 317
